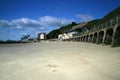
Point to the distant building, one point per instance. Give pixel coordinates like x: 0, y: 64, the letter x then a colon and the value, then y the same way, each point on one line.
x: 25, y: 38
x: 32, y: 39
x: 60, y: 37
x: 63, y: 36
x: 42, y: 36
x: 73, y: 32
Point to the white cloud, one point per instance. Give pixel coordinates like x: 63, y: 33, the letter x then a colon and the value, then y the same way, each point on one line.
x: 25, y: 22
x: 22, y: 23
x: 31, y: 26
x: 46, y: 21
x: 53, y: 21
x: 84, y: 17
x: 5, y: 23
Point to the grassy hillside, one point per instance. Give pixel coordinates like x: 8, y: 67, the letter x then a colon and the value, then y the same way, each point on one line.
x: 110, y: 15
x: 67, y: 27
x: 54, y: 34
x: 90, y: 24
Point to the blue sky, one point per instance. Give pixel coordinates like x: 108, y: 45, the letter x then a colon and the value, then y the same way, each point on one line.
x: 21, y: 17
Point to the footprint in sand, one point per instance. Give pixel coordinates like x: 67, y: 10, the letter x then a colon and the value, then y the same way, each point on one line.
x: 52, y: 66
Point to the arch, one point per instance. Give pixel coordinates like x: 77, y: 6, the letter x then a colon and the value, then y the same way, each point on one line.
x: 108, y: 38
x: 117, y: 37
x: 84, y: 39
x: 71, y: 38
x: 95, y: 37
x: 100, y: 37
x: 78, y: 38
x: 81, y: 38
x: 91, y: 38
x: 74, y: 39
x: 87, y: 38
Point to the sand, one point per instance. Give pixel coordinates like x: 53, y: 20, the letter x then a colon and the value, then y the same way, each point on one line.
x: 59, y: 61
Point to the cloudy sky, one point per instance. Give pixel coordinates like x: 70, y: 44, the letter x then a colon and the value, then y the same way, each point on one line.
x: 21, y: 17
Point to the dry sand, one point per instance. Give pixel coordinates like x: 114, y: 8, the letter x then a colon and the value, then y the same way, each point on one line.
x: 59, y: 61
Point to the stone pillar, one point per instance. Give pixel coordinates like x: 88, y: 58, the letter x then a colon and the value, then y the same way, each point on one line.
x: 92, y: 38
x: 39, y: 37
x: 85, y: 39
x: 78, y: 38
x: 104, y: 36
x: 45, y: 36
x: 97, y: 40
x: 81, y: 39
x: 113, y: 37
x: 89, y: 39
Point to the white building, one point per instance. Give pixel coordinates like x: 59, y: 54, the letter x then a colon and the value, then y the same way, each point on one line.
x: 41, y: 36
x: 63, y: 36
x: 75, y: 30
x: 66, y: 35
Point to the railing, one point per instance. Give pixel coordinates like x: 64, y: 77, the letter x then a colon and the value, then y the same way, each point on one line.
x: 111, y: 22
x: 107, y: 24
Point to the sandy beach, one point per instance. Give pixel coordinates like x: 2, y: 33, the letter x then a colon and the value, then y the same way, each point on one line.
x: 59, y: 61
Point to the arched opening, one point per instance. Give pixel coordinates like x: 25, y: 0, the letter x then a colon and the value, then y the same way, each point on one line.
x: 95, y: 38
x: 117, y: 37
x: 100, y: 37
x: 84, y: 39
x: 87, y: 38
x: 71, y: 39
x: 91, y: 37
x: 78, y: 38
x: 75, y: 39
x: 108, y: 38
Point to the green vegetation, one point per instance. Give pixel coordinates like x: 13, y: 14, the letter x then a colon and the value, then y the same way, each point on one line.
x: 54, y: 34
x: 25, y: 37
x: 112, y: 14
x: 67, y: 27
x: 90, y: 24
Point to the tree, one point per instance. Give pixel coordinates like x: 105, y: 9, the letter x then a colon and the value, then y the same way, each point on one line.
x: 54, y: 34
x: 25, y: 37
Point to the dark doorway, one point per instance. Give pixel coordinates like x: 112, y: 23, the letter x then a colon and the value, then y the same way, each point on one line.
x: 108, y: 38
